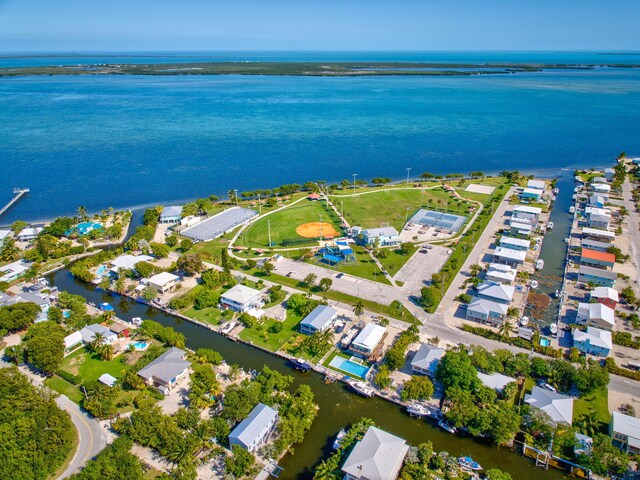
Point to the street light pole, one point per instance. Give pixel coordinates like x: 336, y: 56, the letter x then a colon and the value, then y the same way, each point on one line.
x: 236, y: 192
x: 408, y: 170
x: 354, y: 181
x: 269, y: 228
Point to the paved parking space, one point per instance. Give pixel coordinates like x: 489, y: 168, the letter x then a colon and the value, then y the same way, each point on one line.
x: 417, y: 272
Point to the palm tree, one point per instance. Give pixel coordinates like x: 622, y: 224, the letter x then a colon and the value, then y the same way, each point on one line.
x: 234, y: 371
x: 105, y: 351
x: 588, y: 422
x: 97, y: 341
x: 82, y: 213
x: 358, y: 309
x: 506, y: 328
x: 179, y: 451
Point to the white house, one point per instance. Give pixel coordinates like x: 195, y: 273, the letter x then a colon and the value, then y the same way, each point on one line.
x: 520, y: 228
x: 509, y: 256
x: 254, y: 430
x: 368, y: 339
x: 171, y: 214
x: 526, y: 214
x: 318, y: 320
x: 536, y: 184
x: 29, y: 233
x: 163, y: 281
x: 242, y: 299
x: 559, y: 407
x: 13, y: 271
x: 378, y: 456
x: 72, y: 341
x: 128, y: 262
x: 496, y: 292
x: 625, y: 432
x: 596, y: 315
x: 500, y: 273
x: 384, y: 236
x: 486, y: 311
x: 89, y: 332
x: 4, y: 235
x: 515, y: 243
x: 496, y: 381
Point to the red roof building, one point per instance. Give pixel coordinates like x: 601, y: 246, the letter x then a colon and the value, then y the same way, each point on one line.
x: 594, y: 258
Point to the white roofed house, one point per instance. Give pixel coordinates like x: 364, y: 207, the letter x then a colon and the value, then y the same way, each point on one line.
x: 625, y: 432
x: 496, y: 292
x: 598, y: 234
x: 166, y: 370
x: 514, y: 243
x: 496, y: 381
x: 242, y: 299
x: 508, y: 256
x: 318, y: 320
x: 596, y: 315
x: 128, y: 262
x: 369, y: 341
x: 171, y: 214
x: 13, y: 271
x: 72, y: 341
x: 383, y: 236
x: 520, y: 228
x: 594, y: 341
x: 601, y: 187
x: 163, y: 282
x: 41, y: 300
x: 89, y: 332
x: 526, y: 214
x: 500, y: 273
x: 609, y: 173
x: 254, y: 430
x: 4, y: 235
x: 486, y: 311
x: 536, y: 184
x: 559, y: 407
x: 425, y: 360
x: 598, y: 217
x: 378, y: 456
x: 29, y: 233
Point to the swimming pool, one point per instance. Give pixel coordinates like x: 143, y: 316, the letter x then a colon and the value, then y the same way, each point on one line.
x: 101, y: 269
x: 140, y: 345
x: 349, y: 367
x: 545, y: 342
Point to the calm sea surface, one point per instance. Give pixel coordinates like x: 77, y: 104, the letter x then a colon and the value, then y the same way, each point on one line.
x: 126, y: 141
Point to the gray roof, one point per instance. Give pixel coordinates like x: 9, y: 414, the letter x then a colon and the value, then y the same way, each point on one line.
x: 319, y: 317
x: 504, y: 252
x: 240, y: 294
x: 378, y: 456
x: 380, y: 232
x: 215, y: 226
x: 427, y: 357
x: 485, y: 306
x: 497, y: 381
x: 595, y: 336
x: 167, y: 366
x: 33, y: 298
x: 260, y: 418
x: 559, y: 407
x: 519, y: 242
x: 597, y: 232
x: 89, y: 332
x: 597, y: 272
x: 171, y: 211
x: 625, y: 425
x: 497, y: 291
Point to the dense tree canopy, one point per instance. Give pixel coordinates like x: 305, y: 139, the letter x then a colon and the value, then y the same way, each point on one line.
x: 113, y: 463
x: 18, y: 316
x: 44, y: 344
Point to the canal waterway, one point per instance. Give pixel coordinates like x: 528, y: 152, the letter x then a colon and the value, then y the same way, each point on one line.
x: 338, y: 407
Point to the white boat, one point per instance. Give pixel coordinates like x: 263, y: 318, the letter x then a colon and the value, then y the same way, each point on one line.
x: 576, y: 190
x: 361, y: 388
x: 557, y: 294
x: 556, y: 190
x: 553, y: 198
x: 566, y: 240
x: 550, y: 226
x: 553, y: 328
x: 539, y: 264
x: 417, y: 410
x: 575, y: 197
x: 572, y: 209
x: 534, y: 284
x: 468, y: 463
x: 137, y: 321
x: 338, y: 441
x: 524, y: 321
x: 445, y: 426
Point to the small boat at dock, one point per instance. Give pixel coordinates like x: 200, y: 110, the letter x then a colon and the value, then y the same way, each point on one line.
x: 524, y: 321
x: 572, y: 209
x: 417, y: 410
x: 361, y: 388
x: 550, y: 226
x: 468, y: 463
x: 556, y: 191
x: 539, y: 264
x: 553, y: 328
x: 576, y: 190
x: 447, y: 427
x: 534, y: 284
x: 300, y: 364
x: 338, y: 441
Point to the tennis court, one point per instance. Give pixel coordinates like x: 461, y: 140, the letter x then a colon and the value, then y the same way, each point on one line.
x: 445, y: 221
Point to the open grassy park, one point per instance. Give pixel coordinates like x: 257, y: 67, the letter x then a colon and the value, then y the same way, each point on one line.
x: 284, y: 224
x: 393, y: 207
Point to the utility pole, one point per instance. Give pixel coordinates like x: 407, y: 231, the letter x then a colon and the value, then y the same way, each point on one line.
x: 236, y: 192
x: 259, y: 204
x: 269, y: 229
x: 342, y: 210
x: 408, y: 170
x: 444, y: 279
x: 354, y: 181
x: 320, y: 227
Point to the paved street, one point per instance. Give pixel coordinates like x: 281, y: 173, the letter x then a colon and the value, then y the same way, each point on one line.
x: 633, y: 220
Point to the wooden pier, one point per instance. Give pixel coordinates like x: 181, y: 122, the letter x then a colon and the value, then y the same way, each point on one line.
x: 17, y: 195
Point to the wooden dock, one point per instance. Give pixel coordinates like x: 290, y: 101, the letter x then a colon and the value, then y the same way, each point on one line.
x: 18, y: 193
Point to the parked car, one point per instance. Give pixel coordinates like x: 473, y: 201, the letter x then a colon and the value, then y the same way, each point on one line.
x: 545, y: 385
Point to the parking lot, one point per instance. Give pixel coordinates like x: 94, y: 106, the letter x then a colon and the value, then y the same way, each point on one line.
x: 417, y: 272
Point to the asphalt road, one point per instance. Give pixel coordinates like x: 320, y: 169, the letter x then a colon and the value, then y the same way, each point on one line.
x: 634, y: 222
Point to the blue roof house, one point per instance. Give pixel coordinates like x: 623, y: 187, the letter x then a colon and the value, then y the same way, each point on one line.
x: 531, y: 194
x: 255, y: 429
x: 318, y: 320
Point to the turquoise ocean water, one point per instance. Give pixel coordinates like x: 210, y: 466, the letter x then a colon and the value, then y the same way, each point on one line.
x: 125, y: 141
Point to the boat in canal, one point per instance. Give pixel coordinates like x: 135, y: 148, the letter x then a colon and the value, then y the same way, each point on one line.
x: 300, y: 364
x: 338, y: 441
x: 524, y: 321
x: 447, y: 427
x: 553, y: 328
x: 540, y: 264
x: 550, y: 226
x: 534, y: 284
x: 417, y: 410
x: 468, y: 463
x: 572, y: 209
x: 361, y: 388
x: 556, y: 191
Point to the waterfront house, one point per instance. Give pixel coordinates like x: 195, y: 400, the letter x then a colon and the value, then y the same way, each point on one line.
x: 318, y: 320
x: 163, y: 282
x: 508, y: 256
x: 595, y: 245
x: 496, y: 292
x: 599, y: 180
x: 598, y: 200
x: 486, y: 311
x: 609, y: 173
x: 121, y: 329
x: 425, y: 361
x: 29, y: 233
x: 594, y: 341
x: 369, y: 341
x: 598, y: 234
x: 531, y: 194
x: 13, y: 271
x: 171, y: 214
x: 605, y: 295
x: 128, y: 262
x: 499, y: 273
x: 536, y: 185
x: 514, y: 243
x: 594, y: 258
x: 383, y: 236
x: 4, y: 235
x: 40, y: 299
x: 598, y: 217
x: 254, y: 430
x: 526, y: 214
x: 559, y: 407
x: 596, y: 315
x: 72, y: 342
x: 597, y: 276
x: 520, y: 228
x: 242, y: 299
x: 625, y: 432
x: 89, y: 334
x: 166, y: 370
x: 378, y: 456
x: 496, y: 381
x: 601, y: 187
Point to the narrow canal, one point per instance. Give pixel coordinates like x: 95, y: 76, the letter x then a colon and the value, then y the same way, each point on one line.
x: 338, y: 407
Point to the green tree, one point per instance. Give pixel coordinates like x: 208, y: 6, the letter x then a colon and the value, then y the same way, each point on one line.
x: 417, y: 388
x: 268, y: 267
x: 241, y: 463
x: 325, y: 284
x: 145, y: 269
x: 455, y: 370
x: 44, y: 344
x: 310, y: 280
x: 159, y: 250
x: 496, y: 474
x: 358, y: 309
x: 18, y: 316
x: 383, y: 377
x: 190, y: 264
x: 186, y: 245
x: 149, y: 293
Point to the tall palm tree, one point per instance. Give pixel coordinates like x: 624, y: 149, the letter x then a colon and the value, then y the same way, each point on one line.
x: 82, y: 213
x: 588, y: 422
x: 105, y: 351
x: 97, y: 341
x: 358, y: 309
x: 506, y: 328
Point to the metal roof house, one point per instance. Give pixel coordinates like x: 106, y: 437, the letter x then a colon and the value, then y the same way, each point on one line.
x: 426, y: 358
x: 515, y: 243
x: 525, y: 213
x: 509, y: 256
x: 240, y: 298
x: 89, y: 334
x: 625, y: 432
x: 595, y: 258
x: 597, y: 276
x: 378, y: 456
x: 13, y: 271
x: 486, y: 311
x: 537, y: 184
x: 496, y: 292
x: 595, y: 245
x: 167, y: 369
x: 72, y: 341
x: 319, y: 319
x: 255, y: 429
x: 601, y: 187
x: 606, y: 295
x: 128, y: 262
x: 385, y: 236
x: 368, y: 340
x: 559, y: 407
x: 171, y: 214
x: 496, y: 381
x: 29, y: 233
x: 163, y: 281
x: 500, y: 273
x: 520, y: 228
x: 598, y: 234
x: 108, y: 379
x: 596, y: 315
x: 594, y: 341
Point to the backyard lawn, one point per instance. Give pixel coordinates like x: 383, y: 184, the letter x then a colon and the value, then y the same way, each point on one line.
x: 598, y: 400
x: 393, y: 207
x: 261, y: 336
x: 90, y: 367
x: 63, y: 387
x: 211, y: 315
x: 284, y: 224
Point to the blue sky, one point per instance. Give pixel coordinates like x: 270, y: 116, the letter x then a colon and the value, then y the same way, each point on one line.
x: 135, y: 25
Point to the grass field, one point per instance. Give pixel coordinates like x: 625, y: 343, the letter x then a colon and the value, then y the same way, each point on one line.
x: 90, y: 367
x: 370, y: 210
x: 260, y: 335
x: 394, y: 261
x: 63, y: 387
x: 364, y: 266
x: 599, y: 400
x: 284, y: 224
